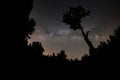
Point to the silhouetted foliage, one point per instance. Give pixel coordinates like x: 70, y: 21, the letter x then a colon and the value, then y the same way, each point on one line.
x: 73, y: 18
x: 62, y: 55
x: 35, y: 52
x: 16, y: 26
x: 19, y: 26
x: 37, y: 48
x: 106, y: 56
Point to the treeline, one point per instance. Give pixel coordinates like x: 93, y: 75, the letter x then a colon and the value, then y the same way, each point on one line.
x: 17, y: 27
x: 104, y: 58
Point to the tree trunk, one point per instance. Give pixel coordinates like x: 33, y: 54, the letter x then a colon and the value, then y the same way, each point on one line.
x: 89, y: 43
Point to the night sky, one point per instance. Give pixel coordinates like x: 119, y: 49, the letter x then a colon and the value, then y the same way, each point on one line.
x: 56, y: 35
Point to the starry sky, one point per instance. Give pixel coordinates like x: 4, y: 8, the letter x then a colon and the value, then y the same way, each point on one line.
x: 56, y: 35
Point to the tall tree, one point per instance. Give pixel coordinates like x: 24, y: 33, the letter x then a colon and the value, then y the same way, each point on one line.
x: 73, y: 18
x: 17, y: 26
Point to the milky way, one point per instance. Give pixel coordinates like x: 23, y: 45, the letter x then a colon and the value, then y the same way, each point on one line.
x: 56, y: 35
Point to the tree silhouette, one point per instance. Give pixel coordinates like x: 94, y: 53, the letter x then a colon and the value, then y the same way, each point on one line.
x: 62, y: 54
x: 73, y: 18
x: 106, y: 56
x: 35, y: 52
x: 37, y: 48
x: 17, y: 26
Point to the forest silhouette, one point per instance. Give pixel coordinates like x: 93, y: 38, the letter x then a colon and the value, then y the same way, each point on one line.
x: 16, y: 53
